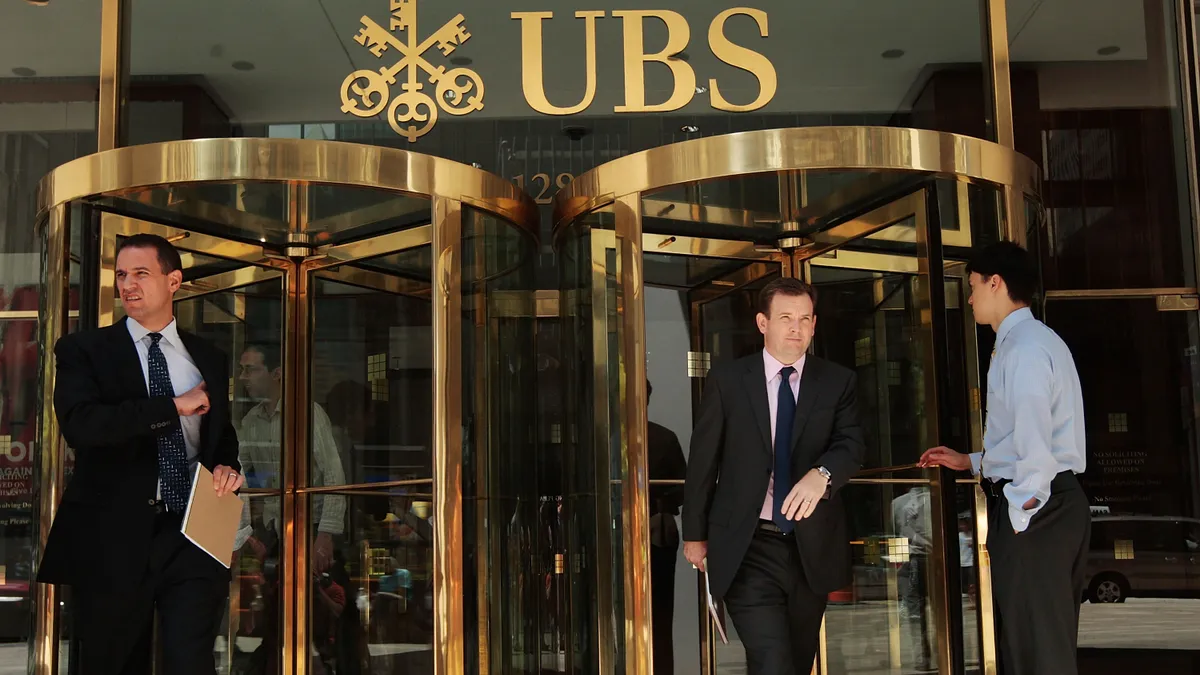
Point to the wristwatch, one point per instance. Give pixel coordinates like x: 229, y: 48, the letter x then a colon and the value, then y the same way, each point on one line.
x: 825, y: 472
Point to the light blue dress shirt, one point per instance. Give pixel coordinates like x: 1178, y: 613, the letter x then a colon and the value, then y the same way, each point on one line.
x: 1034, y: 426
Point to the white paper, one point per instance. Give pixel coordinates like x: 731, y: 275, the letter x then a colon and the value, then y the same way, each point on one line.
x: 712, y: 606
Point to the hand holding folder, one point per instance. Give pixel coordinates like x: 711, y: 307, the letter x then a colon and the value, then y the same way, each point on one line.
x: 211, y: 522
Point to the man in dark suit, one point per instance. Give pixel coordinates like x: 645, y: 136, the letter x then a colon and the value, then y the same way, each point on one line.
x: 132, y: 400
x: 776, y: 438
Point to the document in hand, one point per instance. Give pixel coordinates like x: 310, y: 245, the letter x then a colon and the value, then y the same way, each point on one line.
x: 712, y: 607
x: 211, y: 522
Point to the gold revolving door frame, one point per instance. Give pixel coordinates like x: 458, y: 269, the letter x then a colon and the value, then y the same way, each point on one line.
x: 851, y: 208
x: 292, y: 215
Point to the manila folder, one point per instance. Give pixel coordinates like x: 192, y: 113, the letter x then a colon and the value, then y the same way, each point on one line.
x: 211, y: 522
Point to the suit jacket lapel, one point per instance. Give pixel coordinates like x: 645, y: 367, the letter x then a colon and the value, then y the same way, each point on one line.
x: 756, y: 388
x: 127, y: 362
x: 806, y: 398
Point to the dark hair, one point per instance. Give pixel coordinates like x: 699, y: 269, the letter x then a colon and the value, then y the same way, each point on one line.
x: 270, y: 353
x: 168, y: 257
x: 784, y: 286
x: 649, y: 389
x: 1013, y: 264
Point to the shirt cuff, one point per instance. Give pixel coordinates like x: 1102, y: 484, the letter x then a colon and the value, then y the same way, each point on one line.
x: 1018, y: 516
x: 976, y: 462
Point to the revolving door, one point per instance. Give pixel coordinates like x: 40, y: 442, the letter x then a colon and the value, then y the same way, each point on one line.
x: 661, y: 255
x: 357, y: 292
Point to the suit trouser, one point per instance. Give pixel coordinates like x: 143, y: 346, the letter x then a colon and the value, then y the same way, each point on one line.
x: 114, y: 626
x: 1037, y: 579
x: 776, y: 614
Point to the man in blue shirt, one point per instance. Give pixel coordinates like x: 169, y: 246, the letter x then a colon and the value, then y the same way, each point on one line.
x: 1033, y: 448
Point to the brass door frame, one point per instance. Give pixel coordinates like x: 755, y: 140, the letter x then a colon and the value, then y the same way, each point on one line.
x: 448, y: 186
x: 620, y: 186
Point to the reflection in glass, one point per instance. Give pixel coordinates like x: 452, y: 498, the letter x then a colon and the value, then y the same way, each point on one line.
x: 1142, y: 471
x: 371, y: 608
x: 885, y: 622
x: 231, y: 320
x: 506, y: 574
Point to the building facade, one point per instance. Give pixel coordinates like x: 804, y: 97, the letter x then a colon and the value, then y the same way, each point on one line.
x: 463, y: 253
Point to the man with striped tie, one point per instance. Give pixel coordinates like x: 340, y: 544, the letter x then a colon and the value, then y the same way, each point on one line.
x: 132, y: 400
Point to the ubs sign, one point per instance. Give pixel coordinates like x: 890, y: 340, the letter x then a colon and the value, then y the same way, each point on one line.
x: 460, y: 91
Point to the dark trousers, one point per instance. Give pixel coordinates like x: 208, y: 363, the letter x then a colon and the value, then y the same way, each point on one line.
x: 1037, y: 579
x: 662, y: 606
x: 114, y: 627
x: 776, y: 614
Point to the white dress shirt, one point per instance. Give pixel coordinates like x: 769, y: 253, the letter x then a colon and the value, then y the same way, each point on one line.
x: 1034, y: 426
x: 771, y: 368
x: 185, y: 376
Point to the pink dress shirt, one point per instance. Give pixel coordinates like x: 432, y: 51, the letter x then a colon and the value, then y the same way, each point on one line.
x: 771, y: 367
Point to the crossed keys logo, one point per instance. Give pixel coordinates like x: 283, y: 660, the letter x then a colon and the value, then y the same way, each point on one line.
x: 413, y: 113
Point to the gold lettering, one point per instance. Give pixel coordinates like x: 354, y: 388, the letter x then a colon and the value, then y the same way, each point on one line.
x: 532, y: 72
x: 678, y: 34
x: 741, y: 57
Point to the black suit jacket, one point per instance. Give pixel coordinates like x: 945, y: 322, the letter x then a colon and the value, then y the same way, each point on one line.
x: 104, y: 525
x: 731, y: 459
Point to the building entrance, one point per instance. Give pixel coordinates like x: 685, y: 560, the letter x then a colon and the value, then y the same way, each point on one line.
x: 351, y: 288
x: 379, y: 312
x: 662, y: 254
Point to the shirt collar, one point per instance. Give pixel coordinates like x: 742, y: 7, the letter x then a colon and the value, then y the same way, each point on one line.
x: 139, y: 332
x: 772, y: 365
x: 1011, y: 321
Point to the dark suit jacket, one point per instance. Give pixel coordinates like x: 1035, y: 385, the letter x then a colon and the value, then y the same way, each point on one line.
x: 104, y: 525
x: 731, y: 459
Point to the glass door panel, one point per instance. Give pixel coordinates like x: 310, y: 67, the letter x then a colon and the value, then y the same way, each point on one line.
x: 371, y: 435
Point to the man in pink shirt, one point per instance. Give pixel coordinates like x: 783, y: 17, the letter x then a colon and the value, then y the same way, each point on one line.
x: 776, y: 438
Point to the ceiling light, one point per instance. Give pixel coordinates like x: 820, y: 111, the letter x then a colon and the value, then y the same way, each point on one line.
x: 689, y: 128
x: 1108, y: 51
x: 892, y: 54
x: 701, y: 90
x: 22, y: 71
x: 461, y: 61
x: 243, y: 65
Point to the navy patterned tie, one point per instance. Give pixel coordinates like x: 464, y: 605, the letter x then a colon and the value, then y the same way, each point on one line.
x: 172, y: 452
x: 785, y: 415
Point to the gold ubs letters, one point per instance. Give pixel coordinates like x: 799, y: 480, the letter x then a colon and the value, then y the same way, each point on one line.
x: 678, y: 35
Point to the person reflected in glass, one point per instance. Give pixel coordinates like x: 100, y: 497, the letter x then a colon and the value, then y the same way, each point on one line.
x: 261, y: 374
x: 777, y: 437
x: 910, y: 516
x: 1033, y: 448
x: 665, y: 462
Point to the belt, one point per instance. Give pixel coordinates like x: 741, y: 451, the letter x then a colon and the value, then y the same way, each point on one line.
x: 995, y: 488
x: 769, y: 526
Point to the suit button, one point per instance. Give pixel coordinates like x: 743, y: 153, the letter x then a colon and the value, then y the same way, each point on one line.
x: 151, y: 502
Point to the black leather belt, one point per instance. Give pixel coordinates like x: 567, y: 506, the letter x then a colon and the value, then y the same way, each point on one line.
x: 768, y: 526
x: 995, y: 488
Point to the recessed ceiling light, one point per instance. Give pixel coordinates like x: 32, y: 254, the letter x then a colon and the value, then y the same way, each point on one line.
x: 892, y: 54
x: 461, y: 61
x: 1108, y: 51
x: 22, y: 71
x: 683, y: 56
x: 701, y: 90
x: 243, y: 65
x: 689, y: 128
